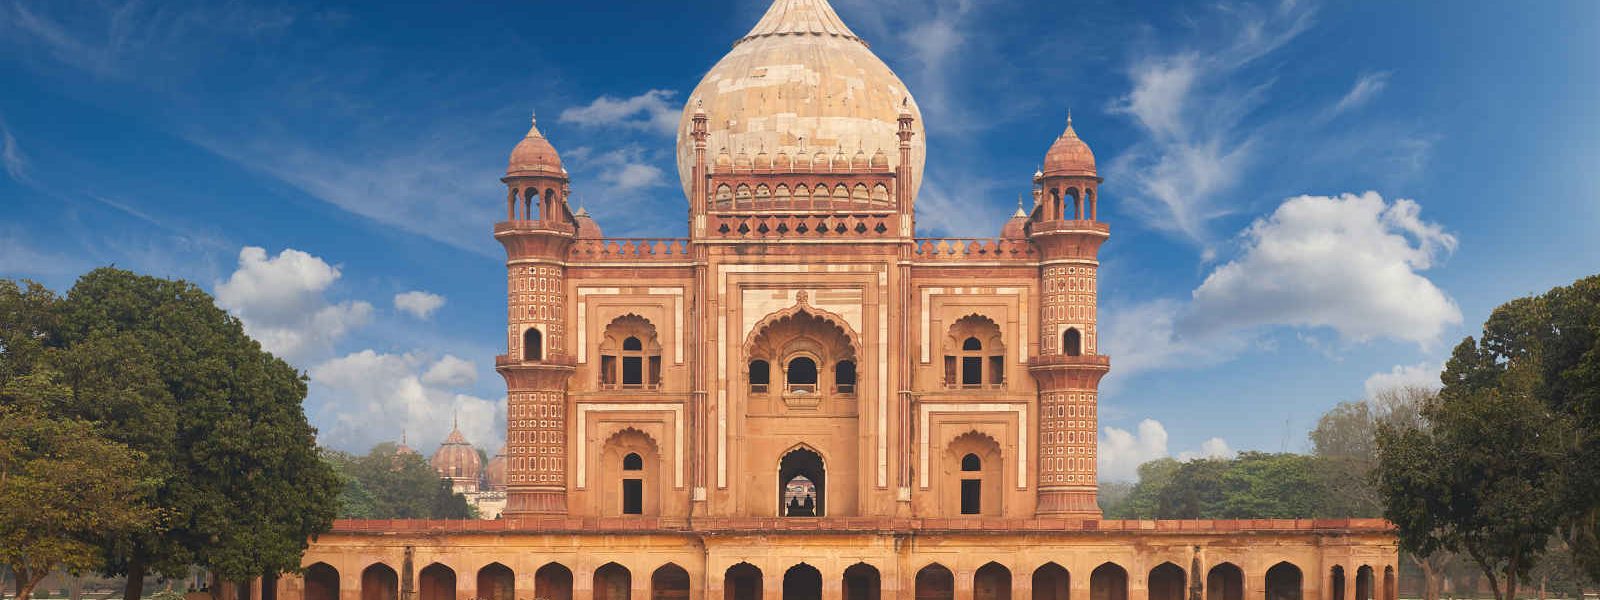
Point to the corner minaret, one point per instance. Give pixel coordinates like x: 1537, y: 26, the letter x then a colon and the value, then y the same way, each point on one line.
x: 537, y: 363
x: 1064, y: 225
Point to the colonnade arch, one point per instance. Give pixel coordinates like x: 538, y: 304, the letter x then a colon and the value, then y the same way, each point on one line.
x: 1225, y: 581
x: 860, y: 581
x: 935, y: 582
x: 1167, y: 582
x: 553, y: 582
x: 380, y: 582
x: 991, y: 581
x: 669, y: 582
x: 613, y: 582
x: 1051, y: 582
x: 741, y: 582
x: 436, y: 582
x: 321, y: 582
x: 802, y: 582
x: 1108, y: 582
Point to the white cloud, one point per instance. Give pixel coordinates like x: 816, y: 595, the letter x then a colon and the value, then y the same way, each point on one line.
x: 364, y: 398
x: 451, y: 371
x: 418, y: 303
x: 1421, y: 375
x: 1122, y: 451
x: 1350, y: 263
x: 1212, y: 448
x: 282, y: 303
x: 1143, y: 337
x: 650, y: 111
x: 1367, y: 87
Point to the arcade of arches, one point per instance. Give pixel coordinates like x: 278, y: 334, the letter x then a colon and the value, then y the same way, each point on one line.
x: 1003, y: 574
x: 803, y: 398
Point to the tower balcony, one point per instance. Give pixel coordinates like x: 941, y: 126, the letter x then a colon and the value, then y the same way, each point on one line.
x: 1063, y: 372
x: 1069, y: 226
x: 525, y: 226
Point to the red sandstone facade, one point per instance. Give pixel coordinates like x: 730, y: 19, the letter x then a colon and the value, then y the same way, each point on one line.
x: 804, y: 399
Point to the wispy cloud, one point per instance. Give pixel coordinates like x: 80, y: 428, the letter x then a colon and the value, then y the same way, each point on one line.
x: 1191, y: 103
x: 16, y: 163
x: 1366, y: 87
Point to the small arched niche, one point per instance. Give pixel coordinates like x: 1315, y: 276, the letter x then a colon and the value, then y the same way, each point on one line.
x: 974, y: 354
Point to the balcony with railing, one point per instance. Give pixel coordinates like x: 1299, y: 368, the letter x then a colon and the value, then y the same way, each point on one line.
x: 526, y: 226
x: 1070, y: 226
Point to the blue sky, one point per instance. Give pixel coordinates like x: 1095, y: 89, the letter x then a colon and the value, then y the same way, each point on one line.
x: 1307, y: 199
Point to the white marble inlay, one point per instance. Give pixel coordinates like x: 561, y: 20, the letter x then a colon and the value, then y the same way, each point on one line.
x: 1021, y: 409
x: 677, y: 438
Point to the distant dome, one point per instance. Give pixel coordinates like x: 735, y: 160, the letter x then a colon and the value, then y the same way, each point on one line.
x: 588, y: 229
x: 535, y: 156
x: 1069, y: 156
x: 1016, y: 228
x: 456, y: 459
x: 801, y: 79
x: 495, y: 473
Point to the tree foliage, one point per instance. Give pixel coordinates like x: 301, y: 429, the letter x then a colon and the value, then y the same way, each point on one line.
x: 1506, y: 457
x: 388, y: 484
x: 158, y: 367
x: 63, y: 486
x: 1252, y: 485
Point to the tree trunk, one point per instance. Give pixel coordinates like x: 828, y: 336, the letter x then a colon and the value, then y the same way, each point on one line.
x: 134, y: 588
x: 26, y: 581
x: 1430, y: 579
x: 216, y: 587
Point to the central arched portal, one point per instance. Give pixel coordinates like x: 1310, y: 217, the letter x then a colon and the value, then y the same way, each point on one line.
x: 802, y: 484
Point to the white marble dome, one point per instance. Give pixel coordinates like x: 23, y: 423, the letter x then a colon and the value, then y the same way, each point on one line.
x: 801, y: 82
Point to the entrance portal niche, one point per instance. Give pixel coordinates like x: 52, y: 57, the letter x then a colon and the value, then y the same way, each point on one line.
x: 802, y: 484
x: 814, y: 353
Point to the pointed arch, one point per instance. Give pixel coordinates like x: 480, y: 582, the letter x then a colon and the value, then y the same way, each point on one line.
x: 1284, y: 582
x: 802, y: 308
x: 1051, y: 582
x: 802, y: 582
x: 613, y: 582
x: 741, y: 581
x: 321, y: 582
x: 436, y: 582
x: 630, y: 354
x: 862, y: 582
x: 974, y: 353
x: 496, y: 582
x: 553, y: 581
x: 1166, y: 582
x: 992, y: 581
x: 935, y: 582
x: 1225, y: 581
x: 669, y: 582
x: 379, y: 582
x: 974, y: 491
x: 1109, y: 581
x: 802, y: 482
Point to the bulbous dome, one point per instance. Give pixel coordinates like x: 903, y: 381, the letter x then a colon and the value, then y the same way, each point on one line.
x: 456, y: 459
x: 495, y: 473
x: 1069, y: 156
x: 535, y: 156
x: 801, y: 79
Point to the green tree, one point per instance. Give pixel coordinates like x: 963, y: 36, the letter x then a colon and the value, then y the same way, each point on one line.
x: 1482, y: 475
x: 241, y: 486
x: 63, y: 486
x: 388, y: 484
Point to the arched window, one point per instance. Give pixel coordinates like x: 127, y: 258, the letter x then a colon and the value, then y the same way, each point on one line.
x: 971, y: 486
x: 760, y: 376
x: 801, y: 376
x: 974, y: 355
x: 802, y: 484
x: 844, y: 377
x: 532, y: 344
x: 530, y: 205
x: 633, y: 484
x: 630, y: 355
x: 1072, y: 342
